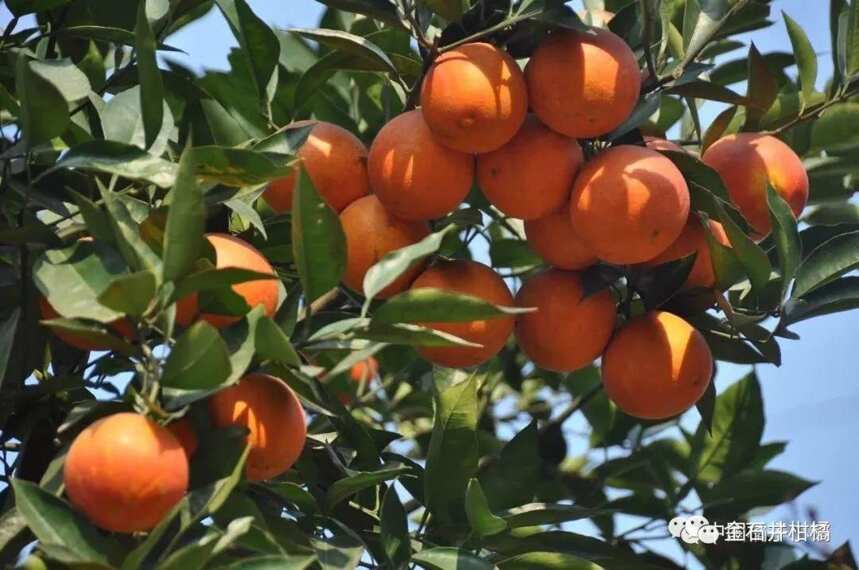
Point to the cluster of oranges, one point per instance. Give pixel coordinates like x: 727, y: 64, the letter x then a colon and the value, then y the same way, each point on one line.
x: 627, y: 205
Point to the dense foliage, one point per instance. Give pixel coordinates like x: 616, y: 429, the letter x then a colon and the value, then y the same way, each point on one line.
x: 105, y: 136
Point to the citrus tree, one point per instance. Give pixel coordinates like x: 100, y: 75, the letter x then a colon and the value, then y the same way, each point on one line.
x: 333, y: 307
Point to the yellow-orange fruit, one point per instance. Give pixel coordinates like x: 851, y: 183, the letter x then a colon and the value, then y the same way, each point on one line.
x: 747, y: 163
x: 371, y: 233
x: 657, y: 143
x: 629, y: 204
x: 184, y: 432
x: 125, y: 472
x: 365, y: 370
x: 657, y: 366
x: 414, y: 176
x: 532, y: 175
x: 474, y: 98
x: 583, y: 84
x: 693, y: 239
x: 120, y: 326
x: 568, y: 330
x: 230, y: 251
x: 553, y: 238
x: 187, y: 309
x: 336, y: 162
x: 273, y: 415
x: 475, y: 279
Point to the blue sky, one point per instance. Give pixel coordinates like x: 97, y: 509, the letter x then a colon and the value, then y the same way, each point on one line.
x: 811, y: 401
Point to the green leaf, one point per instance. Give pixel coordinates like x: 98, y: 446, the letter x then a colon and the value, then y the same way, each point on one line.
x: 121, y: 159
x: 836, y: 129
x: 706, y: 406
x: 342, y: 551
x: 749, y: 490
x: 806, y: 59
x: 395, y: 263
x: 273, y: 344
x: 512, y: 478
x: 429, y: 305
x: 753, y: 259
x: 133, y: 248
x: 238, y: 166
x: 733, y: 440
x: 44, y: 113
x: 95, y: 219
x: 259, y: 45
x: 54, y: 522
x: 453, y: 452
x: 480, y: 517
x: 8, y: 328
x: 762, y: 90
x: 151, y: 84
x: 718, y: 127
x: 450, y: 10
x: 74, y: 277
x: 90, y: 333
x: 274, y: 562
x: 358, y: 481
x: 318, y: 241
x: 838, y: 36
x: 833, y: 214
x: 547, y: 561
x: 213, y: 279
x: 22, y: 7
x: 852, y: 49
x: 186, y: 221
x: 449, y: 558
x: 122, y: 120
x: 837, y: 296
x: 198, y: 361
x: 538, y: 514
x: 130, y: 294
x: 786, y: 237
x: 827, y: 262
x: 382, y: 10
x: 349, y: 43
x: 394, y: 529
x: 700, y: 89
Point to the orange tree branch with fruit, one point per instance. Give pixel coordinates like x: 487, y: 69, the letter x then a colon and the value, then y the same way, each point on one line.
x: 334, y: 306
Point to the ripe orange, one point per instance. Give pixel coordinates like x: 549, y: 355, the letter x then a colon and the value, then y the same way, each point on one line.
x: 568, y: 330
x: 553, y: 238
x: 183, y: 430
x: 336, y: 162
x: 583, y: 84
x: 657, y: 143
x: 186, y: 310
x: 230, y: 251
x: 414, y: 176
x: 530, y: 176
x: 272, y: 413
x: 629, y: 204
x: 657, y: 366
x: 747, y: 163
x: 475, y: 279
x: 694, y: 239
x: 474, y: 98
x: 125, y: 472
x: 372, y: 232
x: 365, y: 370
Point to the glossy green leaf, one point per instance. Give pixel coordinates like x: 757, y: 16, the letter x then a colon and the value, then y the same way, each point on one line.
x: 852, y: 41
x: 318, y: 241
x: 513, y: 476
x: 450, y: 10
x: 121, y: 159
x: 837, y: 296
x: 356, y: 482
x: 273, y: 344
x: 394, y: 529
x: 258, y: 43
x: 536, y: 514
x: 8, y: 328
x: 435, y: 305
x: 130, y: 294
x: 136, y: 252
x: 750, y: 490
x: 706, y: 90
x: 483, y: 522
x: 762, y: 89
x: 449, y: 558
x: 211, y: 278
x: 836, y: 129
x: 238, y: 166
x: 379, y: 9
x: 833, y: 214
x: 827, y: 262
x: 349, y: 43
x: 786, y: 237
x: 186, y: 219
x: 547, y: 561
x: 453, y: 453
x: 44, y: 112
x: 151, y: 84
x: 198, y: 361
x: 806, y: 59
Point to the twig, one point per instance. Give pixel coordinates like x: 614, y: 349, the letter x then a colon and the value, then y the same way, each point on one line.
x: 574, y: 407
x: 816, y: 111
x: 645, y: 25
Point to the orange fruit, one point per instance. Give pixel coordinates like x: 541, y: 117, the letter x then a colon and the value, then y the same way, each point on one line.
x: 273, y: 415
x: 122, y: 327
x: 694, y: 239
x: 629, y: 204
x: 125, y: 472
x: 230, y: 251
x: 553, y: 238
x: 657, y: 143
x: 583, y: 84
x: 568, y: 330
x: 365, y: 370
x: 336, y: 162
x: 475, y: 279
x: 747, y: 163
x: 414, y: 176
x: 530, y: 176
x: 183, y: 430
x: 474, y: 98
x: 371, y: 233
x: 657, y: 366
